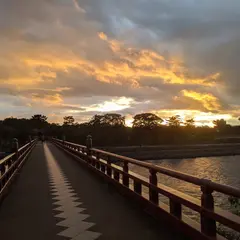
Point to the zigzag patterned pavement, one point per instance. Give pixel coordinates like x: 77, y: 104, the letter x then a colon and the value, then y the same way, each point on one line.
x: 68, y: 204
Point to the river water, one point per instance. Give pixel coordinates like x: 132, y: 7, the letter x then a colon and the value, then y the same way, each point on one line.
x: 223, y: 170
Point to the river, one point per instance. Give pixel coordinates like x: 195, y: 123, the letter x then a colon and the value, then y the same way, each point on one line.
x: 223, y: 170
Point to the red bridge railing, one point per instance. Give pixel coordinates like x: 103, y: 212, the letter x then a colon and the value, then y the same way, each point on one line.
x: 103, y: 163
x: 10, y: 165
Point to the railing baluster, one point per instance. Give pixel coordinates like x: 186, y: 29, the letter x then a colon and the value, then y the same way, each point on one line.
x: 125, y: 174
x: 102, y: 166
x: 208, y: 225
x: 153, y: 194
x: 89, y: 146
x: 98, y: 158
x: 137, y: 187
x: 89, y: 155
x: 93, y: 160
x: 175, y: 208
x: 2, y: 169
x: 116, y: 175
x: 109, y: 168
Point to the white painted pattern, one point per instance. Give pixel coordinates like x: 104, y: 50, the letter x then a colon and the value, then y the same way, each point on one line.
x: 68, y: 203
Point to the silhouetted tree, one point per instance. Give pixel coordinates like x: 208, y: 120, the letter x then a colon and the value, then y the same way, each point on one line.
x: 146, y: 120
x: 108, y: 120
x: 190, y: 123
x: 39, y: 117
x: 220, y: 124
x: 68, y: 120
x: 174, y: 121
x: 38, y: 122
x: 109, y: 130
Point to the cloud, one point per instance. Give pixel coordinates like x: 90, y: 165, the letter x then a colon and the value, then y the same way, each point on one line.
x: 77, y: 6
x: 48, y: 99
x: 116, y: 104
x: 209, y: 101
x: 82, y: 57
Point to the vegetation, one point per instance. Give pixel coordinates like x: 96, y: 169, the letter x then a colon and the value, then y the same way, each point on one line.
x: 234, y: 208
x: 110, y: 129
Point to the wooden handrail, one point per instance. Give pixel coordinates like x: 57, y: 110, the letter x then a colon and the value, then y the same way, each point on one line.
x: 10, y: 164
x: 176, y: 174
x: 6, y: 158
x: 166, y: 171
x: 13, y: 154
x: 228, y: 190
x: 209, y: 213
x: 73, y: 144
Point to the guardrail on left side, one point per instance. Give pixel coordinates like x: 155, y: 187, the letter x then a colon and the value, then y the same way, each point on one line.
x: 10, y: 165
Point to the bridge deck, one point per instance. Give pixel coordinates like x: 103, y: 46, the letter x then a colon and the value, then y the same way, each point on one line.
x: 86, y: 207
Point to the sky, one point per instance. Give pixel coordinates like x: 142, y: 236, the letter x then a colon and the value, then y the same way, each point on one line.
x: 86, y: 57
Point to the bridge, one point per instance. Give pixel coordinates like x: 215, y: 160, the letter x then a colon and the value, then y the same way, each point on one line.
x: 62, y: 190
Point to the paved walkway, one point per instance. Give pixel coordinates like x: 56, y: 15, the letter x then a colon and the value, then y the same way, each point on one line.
x: 55, y: 198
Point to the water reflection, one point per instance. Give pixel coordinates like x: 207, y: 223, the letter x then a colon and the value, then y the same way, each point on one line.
x: 224, y: 170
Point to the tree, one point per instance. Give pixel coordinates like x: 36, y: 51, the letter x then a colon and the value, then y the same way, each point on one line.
x: 39, y: 118
x: 38, y: 121
x: 220, y: 124
x: 190, y: 123
x: 146, y: 120
x: 68, y: 120
x: 174, y: 121
x: 114, y: 120
x: 108, y: 120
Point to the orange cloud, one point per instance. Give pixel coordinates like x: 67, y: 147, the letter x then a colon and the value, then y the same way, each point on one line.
x: 128, y: 65
x: 136, y: 64
x: 54, y: 99
x: 209, y: 101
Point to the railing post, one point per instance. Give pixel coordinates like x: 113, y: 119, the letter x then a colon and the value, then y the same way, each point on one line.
x: 116, y: 175
x: 103, y: 169
x: 137, y: 187
x: 153, y: 194
x: 125, y: 174
x: 109, y: 169
x: 15, y: 148
x: 89, y: 146
x: 175, y: 209
x: 2, y: 169
x: 97, y: 160
x: 208, y: 225
x: 29, y: 138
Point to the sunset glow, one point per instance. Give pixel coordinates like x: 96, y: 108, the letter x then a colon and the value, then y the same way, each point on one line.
x: 66, y: 57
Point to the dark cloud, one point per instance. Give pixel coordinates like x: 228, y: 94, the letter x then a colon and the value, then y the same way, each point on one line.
x: 51, y: 52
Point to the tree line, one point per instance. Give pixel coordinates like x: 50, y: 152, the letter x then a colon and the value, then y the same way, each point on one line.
x: 110, y: 130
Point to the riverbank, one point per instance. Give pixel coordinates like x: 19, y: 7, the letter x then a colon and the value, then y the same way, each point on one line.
x: 176, y: 151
